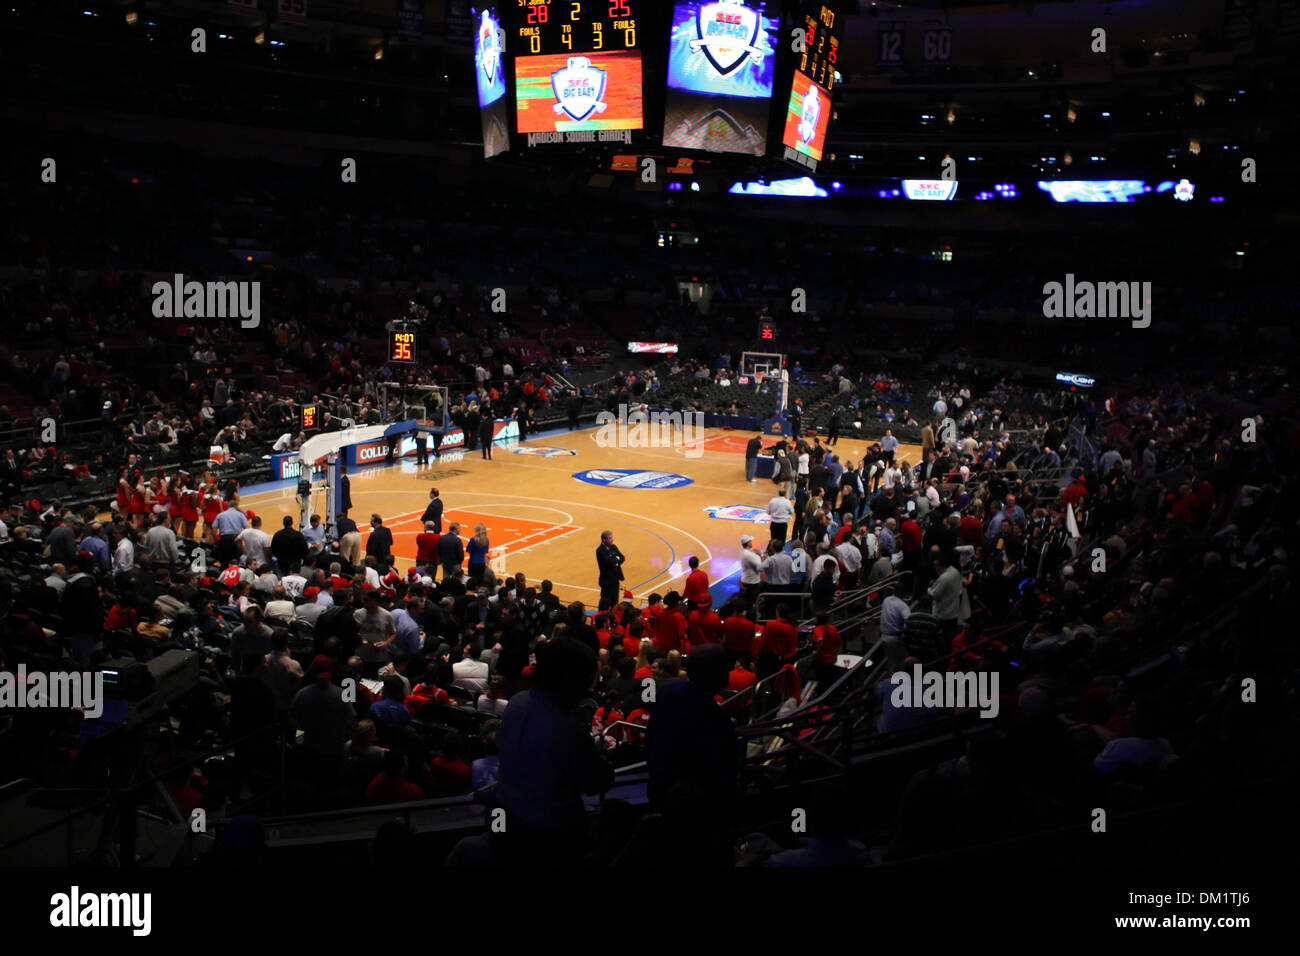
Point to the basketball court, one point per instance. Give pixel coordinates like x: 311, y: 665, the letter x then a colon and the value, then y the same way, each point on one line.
x: 664, y: 504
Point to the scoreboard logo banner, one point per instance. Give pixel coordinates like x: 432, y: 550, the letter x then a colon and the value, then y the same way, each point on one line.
x: 812, y: 110
x: 727, y: 33
x: 489, y: 48
x: 579, y: 89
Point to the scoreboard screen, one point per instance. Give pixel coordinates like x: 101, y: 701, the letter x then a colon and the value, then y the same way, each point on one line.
x: 490, y: 78
x: 808, y: 107
x: 309, y: 417
x: 767, y: 331
x: 401, y: 346
x: 565, y: 27
x: 822, y: 28
x: 577, y: 65
x: 721, y: 68
x: 807, y: 114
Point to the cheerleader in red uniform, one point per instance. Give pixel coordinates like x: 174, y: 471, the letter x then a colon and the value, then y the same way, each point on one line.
x: 156, y: 499
x: 123, y: 496
x: 189, y: 510
x: 174, y: 502
x: 139, y: 503
x: 212, y: 506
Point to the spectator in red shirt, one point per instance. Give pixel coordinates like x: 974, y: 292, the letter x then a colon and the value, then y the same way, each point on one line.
x: 827, y: 645
x: 971, y: 531
x: 909, y: 537
x: 1075, y: 494
x: 738, y: 633
x: 391, y: 785
x: 670, y: 628
x: 632, y: 639
x: 846, y: 529
x: 428, y: 692
x: 650, y: 615
x: 779, y: 642
x: 704, y: 626
x: 426, y: 547
x: 697, y: 584
x: 448, y: 775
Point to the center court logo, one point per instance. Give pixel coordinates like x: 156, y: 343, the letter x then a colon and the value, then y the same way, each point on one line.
x: 632, y: 478
x: 646, y: 429
x: 738, y: 513
x: 579, y: 89
x: 539, y: 451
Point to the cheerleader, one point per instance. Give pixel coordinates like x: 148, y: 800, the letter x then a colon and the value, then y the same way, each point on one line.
x: 139, y: 502
x: 174, y: 486
x: 156, y: 498
x: 189, y: 510
x: 212, y: 506
x: 123, y: 495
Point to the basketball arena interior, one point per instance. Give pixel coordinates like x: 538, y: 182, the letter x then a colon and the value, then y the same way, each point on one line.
x: 695, y: 438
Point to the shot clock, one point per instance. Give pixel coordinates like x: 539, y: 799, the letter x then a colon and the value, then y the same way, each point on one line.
x: 309, y: 417
x: 401, y: 347
x: 767, y: 331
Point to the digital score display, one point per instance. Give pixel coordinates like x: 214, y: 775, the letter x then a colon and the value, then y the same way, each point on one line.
x: 821, y: 29
x: 401, y: 347
x: 577, y: 68
x: 554, y: 27
x: 767, y: 331
x: 309, y: 417
x: 808, y: 107
x: 721, y: 70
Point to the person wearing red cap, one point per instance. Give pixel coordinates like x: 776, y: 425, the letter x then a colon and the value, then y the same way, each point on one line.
x: 697, y: 584
x: 703, y: 625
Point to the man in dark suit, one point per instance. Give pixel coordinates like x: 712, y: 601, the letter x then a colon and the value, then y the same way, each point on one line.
x: 380, y: 544
x: 288, y: 546
x: 610, y: 561
x: 472, y: 421
x: 11, y: 477
x: 485, y: 431
x: 451, y: 552
x: 434, y: 511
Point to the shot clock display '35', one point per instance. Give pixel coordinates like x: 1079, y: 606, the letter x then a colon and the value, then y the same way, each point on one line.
x: 401, y: 346
x: 550, y: 27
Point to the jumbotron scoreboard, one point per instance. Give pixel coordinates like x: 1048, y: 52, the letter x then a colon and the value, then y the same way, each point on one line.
x: 578, y: 68
x: 747, y: 77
